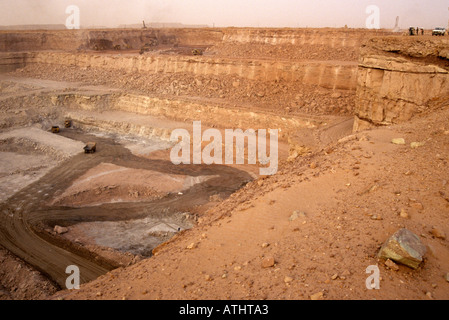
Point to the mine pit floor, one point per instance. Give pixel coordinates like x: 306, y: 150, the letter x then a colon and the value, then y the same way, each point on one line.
x: 112, y: 198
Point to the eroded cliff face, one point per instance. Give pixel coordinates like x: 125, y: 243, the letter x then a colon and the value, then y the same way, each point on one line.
x: 71, y: 40
x: 399, y: 78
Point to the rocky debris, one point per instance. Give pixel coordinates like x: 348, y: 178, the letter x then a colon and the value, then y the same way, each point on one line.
x: 60, y: 230
x: 438, y: 233
x: 297, y: 214
x: 281, y: 93
x: 390, y: 264
x: 207, y: 277
x: 288, y: 279
x: 416, y: 145
x: 297, y: 151
x: 336, y: 95
x: 268, y: 262
x: 404, y: 247
x: 416, y: 205
x: 447, y: 277
x: 398, y: 141
x: 404, y: 214
x: 317, y: 296
x: 191, y: 246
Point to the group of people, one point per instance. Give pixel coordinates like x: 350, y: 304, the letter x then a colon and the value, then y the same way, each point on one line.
x: 413, y: 31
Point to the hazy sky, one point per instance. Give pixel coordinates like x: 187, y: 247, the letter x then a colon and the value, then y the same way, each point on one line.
x: 222, y: 13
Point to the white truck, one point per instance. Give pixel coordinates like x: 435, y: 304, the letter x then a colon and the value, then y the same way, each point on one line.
x: 438, y: 31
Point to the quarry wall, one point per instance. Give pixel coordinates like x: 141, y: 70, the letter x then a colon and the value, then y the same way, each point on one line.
x: 68, y: 40
x: 76, y: 48
x: 328, y: 75
x: 399, y: 78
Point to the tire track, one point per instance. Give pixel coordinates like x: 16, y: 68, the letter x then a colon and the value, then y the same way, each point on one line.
x: 25, y: 214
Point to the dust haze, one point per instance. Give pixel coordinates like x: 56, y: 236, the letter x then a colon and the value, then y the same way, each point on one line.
x: 251, y: 13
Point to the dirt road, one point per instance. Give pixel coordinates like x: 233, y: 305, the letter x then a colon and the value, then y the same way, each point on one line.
x: 27, y: 214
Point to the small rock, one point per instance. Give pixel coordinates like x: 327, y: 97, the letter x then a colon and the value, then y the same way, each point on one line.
x: 415, y: 145
x: 191, y: 246
x: 313, y: 165
x: 334, y: 277
x: 346, y: 273
x: 399, y: 141
x: 404, y: 247
x: 317, y: 296
x: 432, y: 250
x: 417, y: 206
x: 265, y: 245
x: 297, y: 214
x: 447, y: 277
x: 288, y: 279
x: 390, y: 264
x: 336, y: 95
x: 207, y: 277
x: 268, y: 262
x: 363, y: 138
x: 60, y: 230
x: 403, y: 214
x: 438, y: 233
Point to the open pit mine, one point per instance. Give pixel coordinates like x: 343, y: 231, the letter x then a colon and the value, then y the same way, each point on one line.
x: 86, y: 179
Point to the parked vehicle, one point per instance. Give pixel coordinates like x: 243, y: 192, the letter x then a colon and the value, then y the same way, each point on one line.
x: 438, y: 31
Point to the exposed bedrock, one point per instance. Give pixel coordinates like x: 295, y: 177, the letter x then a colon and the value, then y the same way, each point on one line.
x: 399, y: 78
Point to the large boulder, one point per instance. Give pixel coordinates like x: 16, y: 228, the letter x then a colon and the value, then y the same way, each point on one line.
x: 405, y: 248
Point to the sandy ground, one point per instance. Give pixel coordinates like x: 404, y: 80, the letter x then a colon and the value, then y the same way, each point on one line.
x: 351, y: 195
x: 28, y: 154
x: 308, y: 232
